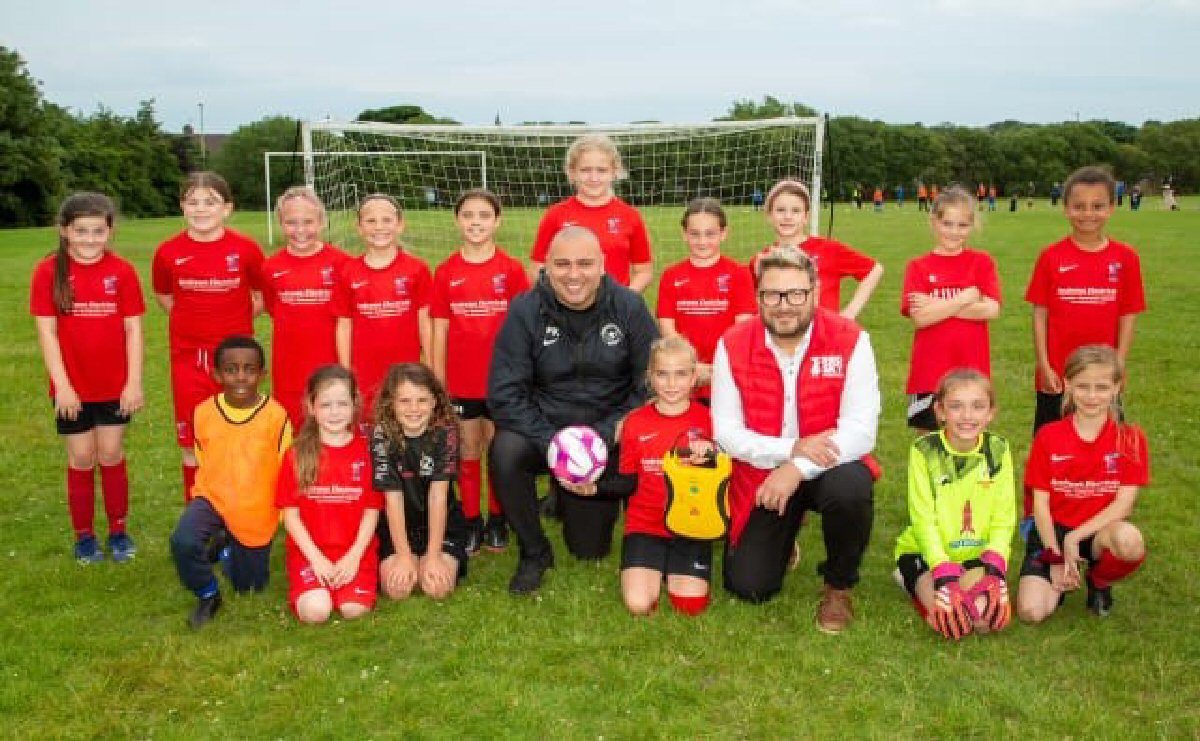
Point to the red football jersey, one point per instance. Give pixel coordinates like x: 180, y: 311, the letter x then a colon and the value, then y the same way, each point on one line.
x: 332, y: 508
x: 646, y: 436
x: 298, y: 294
x: 703, y: 302
x: 91, y: 335
x: 834, y: 261
x: 211, y: 284
x: 1084, y: 293
x: 383, y: 305
x: 1082, y: 477
x: 474, y: 297
x: 616, y: 224
x: 953, y: 342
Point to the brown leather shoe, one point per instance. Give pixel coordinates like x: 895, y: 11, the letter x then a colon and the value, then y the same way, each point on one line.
x: 836, y: 610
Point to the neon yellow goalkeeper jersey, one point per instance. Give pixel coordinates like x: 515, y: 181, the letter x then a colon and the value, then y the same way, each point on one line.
x: 959, y: 504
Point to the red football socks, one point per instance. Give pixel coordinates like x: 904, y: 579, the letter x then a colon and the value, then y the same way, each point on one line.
x: 689, y: 605
x: 114, y: 482
x: 468, y: 488
x: 189, y: 480
x: 1110, y: 569
x: 81, y: 500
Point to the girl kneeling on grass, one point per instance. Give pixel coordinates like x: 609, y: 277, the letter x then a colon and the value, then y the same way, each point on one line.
x: 414, y: 456
x: 88, y: 306
x: 963, y: 509
x: 649, y: 553
x: 329, y: 509
x: 1085, y: 471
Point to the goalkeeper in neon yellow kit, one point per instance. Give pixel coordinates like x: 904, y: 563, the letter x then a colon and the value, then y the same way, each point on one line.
x: 953, y: 557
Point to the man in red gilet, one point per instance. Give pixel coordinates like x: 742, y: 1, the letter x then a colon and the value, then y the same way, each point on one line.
x: 795, y: 402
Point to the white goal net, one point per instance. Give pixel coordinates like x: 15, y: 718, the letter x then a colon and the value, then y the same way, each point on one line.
x: 426, y: 167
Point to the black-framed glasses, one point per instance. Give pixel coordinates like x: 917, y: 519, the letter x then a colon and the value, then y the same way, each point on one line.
x: 794, y: 296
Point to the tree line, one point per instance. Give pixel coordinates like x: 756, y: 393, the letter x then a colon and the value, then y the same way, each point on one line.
x: 47, y: 151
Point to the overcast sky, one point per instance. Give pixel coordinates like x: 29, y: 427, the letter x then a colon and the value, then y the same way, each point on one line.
x: 966, y: 61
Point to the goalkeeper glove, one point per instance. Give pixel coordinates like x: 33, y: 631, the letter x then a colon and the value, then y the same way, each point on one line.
x: 997, y: 611
x: 949, y: 615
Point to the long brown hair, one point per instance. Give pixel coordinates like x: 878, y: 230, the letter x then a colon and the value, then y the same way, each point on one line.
x: 306, y: 447
x: 76, y: 205
x: 418, y: 375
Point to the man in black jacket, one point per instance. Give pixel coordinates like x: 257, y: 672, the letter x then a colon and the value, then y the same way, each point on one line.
x: 573, y: 350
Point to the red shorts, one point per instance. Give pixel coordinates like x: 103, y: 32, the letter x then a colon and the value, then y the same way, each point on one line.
x: 362, y: 589
x: 292, y: 399
x: 191, y: 383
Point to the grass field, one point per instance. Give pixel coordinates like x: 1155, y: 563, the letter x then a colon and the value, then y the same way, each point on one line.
x: 104, y: 651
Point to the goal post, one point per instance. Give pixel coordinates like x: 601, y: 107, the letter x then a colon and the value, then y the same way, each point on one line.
x: 341, y: 192
x: 426, y: 167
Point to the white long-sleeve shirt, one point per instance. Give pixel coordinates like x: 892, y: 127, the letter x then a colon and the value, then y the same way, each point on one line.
x: 858, y: 414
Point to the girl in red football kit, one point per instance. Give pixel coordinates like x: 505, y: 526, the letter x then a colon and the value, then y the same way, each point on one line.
x: 471, y: 291
x: 208, y: 279
x: 298, y: 283
x: 330, y: 510
x: 1085, y: 472
x: 705, y: 294
x: 1085, y: 290
x: 649, y: 552
x: 787, y: 208
x: 593, y: 164
x: 381, y: 300
x: 88, y: 306
x: 950, y: 295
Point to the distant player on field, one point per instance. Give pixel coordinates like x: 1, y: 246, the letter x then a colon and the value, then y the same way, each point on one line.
x: 298, y: 284
x: 702, y: 296
x: 208, y: 279
x: 593, y: 164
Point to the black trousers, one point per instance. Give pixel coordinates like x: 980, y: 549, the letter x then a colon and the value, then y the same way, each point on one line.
x: 249, y: 568
x: 844, y: 496
x: 516, y: 462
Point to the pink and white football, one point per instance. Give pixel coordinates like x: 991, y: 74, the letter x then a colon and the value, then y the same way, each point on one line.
x: 577, y: 455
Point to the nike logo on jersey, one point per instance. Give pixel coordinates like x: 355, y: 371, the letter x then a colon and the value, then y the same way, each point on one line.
x: 647, y: 438
x: 360, y: 590
x: 681, y: 282
x: 457, y: 282
x: 279, y: 273
x: 1066, y: 268
x: 358, y: 284
x: 568, y: 223
x: 698, y: 566
x: 182, y: 260
x: 1056, y: 458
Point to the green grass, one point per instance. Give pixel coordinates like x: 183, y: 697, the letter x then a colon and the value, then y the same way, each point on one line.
x: 104, y: 651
